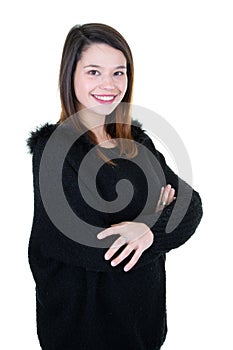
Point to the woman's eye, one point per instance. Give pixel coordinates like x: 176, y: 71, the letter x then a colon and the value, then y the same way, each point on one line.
x: 93, y: 72
x: 119, y: 73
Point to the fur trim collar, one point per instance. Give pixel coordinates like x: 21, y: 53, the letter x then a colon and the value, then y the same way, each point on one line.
x: 47, y: 129
x: 44, y: 130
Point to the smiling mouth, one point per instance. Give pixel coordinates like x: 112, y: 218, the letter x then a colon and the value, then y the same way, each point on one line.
x: 104, y: 98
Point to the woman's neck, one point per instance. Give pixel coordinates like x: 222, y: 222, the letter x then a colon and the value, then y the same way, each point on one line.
x: 95, y: 123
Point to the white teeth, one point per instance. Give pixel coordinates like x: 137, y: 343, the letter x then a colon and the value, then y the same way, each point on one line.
x: 104, y: 98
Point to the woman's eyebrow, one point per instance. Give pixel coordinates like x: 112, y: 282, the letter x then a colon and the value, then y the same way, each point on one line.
x: 97, y: 66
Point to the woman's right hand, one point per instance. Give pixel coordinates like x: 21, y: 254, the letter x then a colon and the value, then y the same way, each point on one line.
x: 167, y: 196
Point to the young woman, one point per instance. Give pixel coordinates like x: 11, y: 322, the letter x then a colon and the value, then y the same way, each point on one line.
x: 89, y: 297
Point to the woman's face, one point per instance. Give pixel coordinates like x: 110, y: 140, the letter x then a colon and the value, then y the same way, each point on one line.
x: 100, y: 79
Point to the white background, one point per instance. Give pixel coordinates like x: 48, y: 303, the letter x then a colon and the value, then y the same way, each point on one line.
x: 184, y: 72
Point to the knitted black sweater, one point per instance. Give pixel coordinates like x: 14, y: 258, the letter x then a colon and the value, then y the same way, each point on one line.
x: 82, y: 301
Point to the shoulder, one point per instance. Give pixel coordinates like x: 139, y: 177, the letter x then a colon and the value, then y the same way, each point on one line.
x: 42, y: 132
x: 141, y: 135
x: 137, y: 131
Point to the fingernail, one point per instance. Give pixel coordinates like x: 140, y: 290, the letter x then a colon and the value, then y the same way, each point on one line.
x: 113, y: 263
x: 126, y: 269
x: 106, y: 257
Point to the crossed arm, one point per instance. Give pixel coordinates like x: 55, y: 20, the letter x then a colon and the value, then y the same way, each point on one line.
x: 46, y: 239
x: 137, y: 235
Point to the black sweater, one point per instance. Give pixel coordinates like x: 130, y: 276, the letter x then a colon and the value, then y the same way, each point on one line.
x: 82, y: 301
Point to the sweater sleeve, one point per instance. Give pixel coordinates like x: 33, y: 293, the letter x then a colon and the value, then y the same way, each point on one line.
x: 187, y: 209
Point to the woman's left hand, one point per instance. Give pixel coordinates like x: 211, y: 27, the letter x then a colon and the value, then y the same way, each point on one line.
x: 136, y: 235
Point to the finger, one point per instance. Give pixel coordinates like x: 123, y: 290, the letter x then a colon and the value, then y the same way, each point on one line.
x: 170, y: 196
x: 128, y: 249
x: 167, y: 191
x: 114, y: 247
x: 133, y: 261
x: 158, y: 206
x: 161, y: 194
x: 109, y: 231
x: 166, y: 194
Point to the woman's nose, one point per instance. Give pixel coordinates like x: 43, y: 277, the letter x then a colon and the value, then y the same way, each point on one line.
x: 107, y: 83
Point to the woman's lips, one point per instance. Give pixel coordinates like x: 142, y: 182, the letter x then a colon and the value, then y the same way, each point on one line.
x: 104, y: 99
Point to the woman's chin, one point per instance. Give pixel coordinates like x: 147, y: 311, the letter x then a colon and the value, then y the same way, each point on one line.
x: 101, y: 109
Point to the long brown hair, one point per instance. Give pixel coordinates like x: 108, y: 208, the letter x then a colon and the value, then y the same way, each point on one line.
x: 78, y: 39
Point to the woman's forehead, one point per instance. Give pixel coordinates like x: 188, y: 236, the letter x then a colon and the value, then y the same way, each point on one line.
x: 98, y: 54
